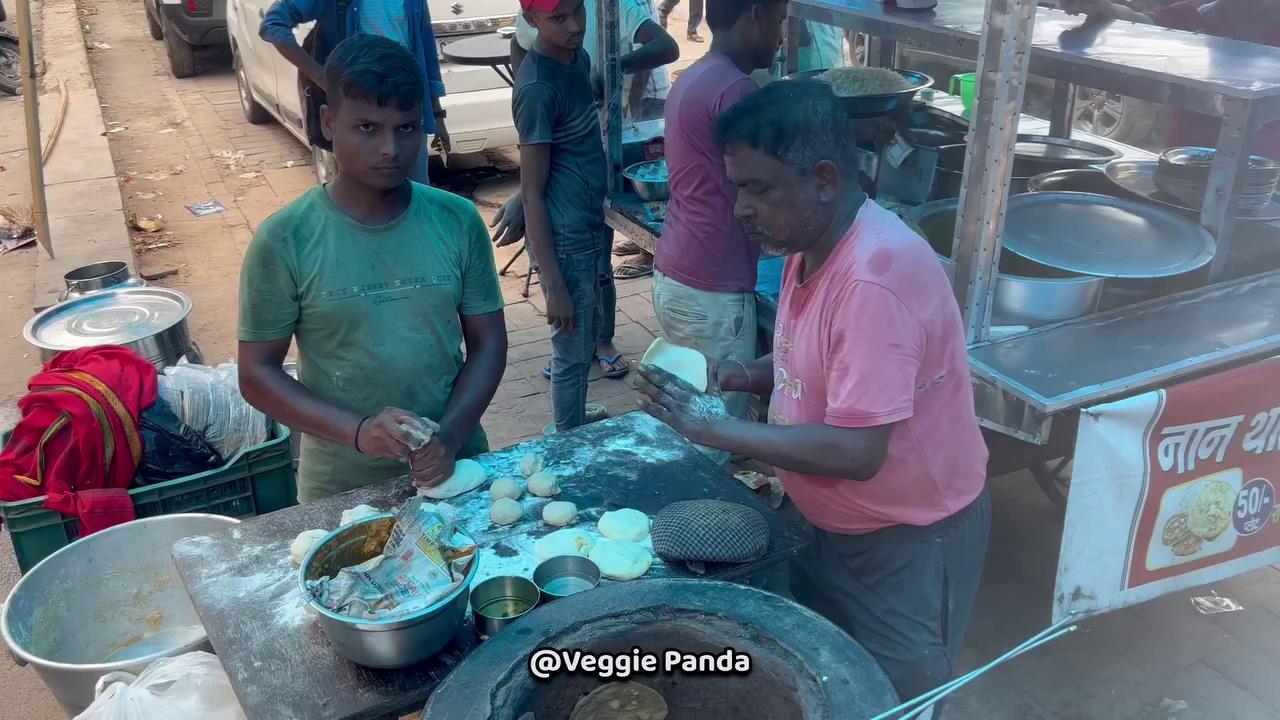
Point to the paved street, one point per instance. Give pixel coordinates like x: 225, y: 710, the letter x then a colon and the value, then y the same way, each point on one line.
x: 186, y: 141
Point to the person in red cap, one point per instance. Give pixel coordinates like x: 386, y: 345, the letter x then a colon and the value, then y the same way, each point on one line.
x: 562, y: 183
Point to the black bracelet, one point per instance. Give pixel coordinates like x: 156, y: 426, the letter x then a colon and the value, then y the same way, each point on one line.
x: 360, y: 427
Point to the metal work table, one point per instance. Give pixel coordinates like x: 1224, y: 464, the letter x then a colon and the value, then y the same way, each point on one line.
x: 281, y: 665
x: 1234, y: 80
x: 1102, y: 357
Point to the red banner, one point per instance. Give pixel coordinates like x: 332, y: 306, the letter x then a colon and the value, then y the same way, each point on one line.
x: 1212, y: 456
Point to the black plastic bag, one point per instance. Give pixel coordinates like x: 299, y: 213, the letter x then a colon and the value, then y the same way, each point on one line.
x: 171, y: 448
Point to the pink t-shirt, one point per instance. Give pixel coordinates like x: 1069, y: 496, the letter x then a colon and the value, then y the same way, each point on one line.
x: 702, y: 245
x: 874, y: 337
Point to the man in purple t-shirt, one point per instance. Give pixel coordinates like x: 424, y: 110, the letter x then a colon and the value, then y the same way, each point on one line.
x: 705, y: 267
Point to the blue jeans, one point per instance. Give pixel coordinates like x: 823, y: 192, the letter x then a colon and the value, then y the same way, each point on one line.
x: 573, y: 351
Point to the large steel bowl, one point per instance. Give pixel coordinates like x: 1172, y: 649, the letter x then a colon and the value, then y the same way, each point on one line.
x: 649, y: 190
x: 385, y: 644
x: 1026, y: 294
x: 110, y: 601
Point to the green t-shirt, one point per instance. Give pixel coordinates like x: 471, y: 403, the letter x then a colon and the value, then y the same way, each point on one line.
x: 376, y: 313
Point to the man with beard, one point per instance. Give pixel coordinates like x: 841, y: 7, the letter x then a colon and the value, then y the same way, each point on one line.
x: 871, y: 421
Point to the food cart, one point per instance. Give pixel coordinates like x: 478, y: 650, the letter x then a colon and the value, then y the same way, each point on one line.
x: 1157, y: 409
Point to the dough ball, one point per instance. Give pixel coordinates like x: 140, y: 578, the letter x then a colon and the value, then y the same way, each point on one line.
x: 621, y: 559
x: 467, y: 476
x: 531, y: 464
x: 621, y: 701
x: 570, y: 541
x: 356, y: 514
x: 505, y: 511
x: 559, y: 513
x: 505, y: 488
x: 302, y: 544
x: 544, y: 484
x: 625, y: 524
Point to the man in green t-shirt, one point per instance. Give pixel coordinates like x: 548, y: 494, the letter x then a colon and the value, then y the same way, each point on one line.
x: 382, y: 281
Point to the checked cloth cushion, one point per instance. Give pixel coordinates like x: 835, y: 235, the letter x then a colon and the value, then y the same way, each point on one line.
x: 709, y: 531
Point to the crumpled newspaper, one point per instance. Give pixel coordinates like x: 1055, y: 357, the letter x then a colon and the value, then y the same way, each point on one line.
x: 426, y: 557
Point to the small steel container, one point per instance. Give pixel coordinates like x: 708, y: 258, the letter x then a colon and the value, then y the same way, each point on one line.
x: 500, y: 601
x: 392, y: 643
x: 98, y: 276
x: 566, y: 575
x: 649, y: 190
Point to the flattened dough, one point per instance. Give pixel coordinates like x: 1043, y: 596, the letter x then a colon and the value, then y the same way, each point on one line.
x: 505, y: 488
x: 570, y: 541
x: 530, y: 464
x: 621, y: 701
x: 467, y: 476
x: 559, y: 513
x: 505, y: 511
x: 621, y: 560
x: 302, y: 544
x: 356, y: 514
x: 687, y: 364
x: 544, y: 484
x: 625, y: 524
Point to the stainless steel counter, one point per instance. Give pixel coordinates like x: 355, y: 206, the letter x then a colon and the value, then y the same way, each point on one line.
x: 1165, y: 66
x: 1134, y: 349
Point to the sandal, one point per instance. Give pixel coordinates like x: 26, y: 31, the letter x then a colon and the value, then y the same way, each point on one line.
x: 627, y: 248
x: 631, y: 270
x: 695, y: 37
x: 613, y: 367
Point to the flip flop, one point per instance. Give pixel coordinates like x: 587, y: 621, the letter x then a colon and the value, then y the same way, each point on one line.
x: 627, y: 248
x: 613, y: 367
x: 631, y: 271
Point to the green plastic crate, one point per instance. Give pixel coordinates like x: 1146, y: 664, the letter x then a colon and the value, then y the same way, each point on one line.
x: 256, y: 481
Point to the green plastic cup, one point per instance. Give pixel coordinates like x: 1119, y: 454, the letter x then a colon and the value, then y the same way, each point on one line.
x: 966, y: 83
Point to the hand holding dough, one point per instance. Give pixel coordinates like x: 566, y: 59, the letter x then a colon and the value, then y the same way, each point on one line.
x: 505, y: 511
x: 543, y: 484
x: 302, y: 544
x: 624, y: 524
x: 570, y: 541
x: 467, y: 476
x: 559, y: 513
x: 621, y: 560
x: 505, y: 488
x: 530, y: 464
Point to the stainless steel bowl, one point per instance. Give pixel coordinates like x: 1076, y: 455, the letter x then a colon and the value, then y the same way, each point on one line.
x: 648, y: 190
x: 1026, y: 294
x: 98, y: 276
x: 392, y: 643
x: 500, y: 601
x: 566, y: 575
x: 110, y: 601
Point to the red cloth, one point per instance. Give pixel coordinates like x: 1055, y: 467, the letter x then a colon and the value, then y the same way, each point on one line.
x: 78, y: 442
x: 1192, y: 128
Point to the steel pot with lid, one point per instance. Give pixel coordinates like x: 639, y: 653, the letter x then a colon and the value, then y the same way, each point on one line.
x: 148, y: 320
x: 1026, y: 294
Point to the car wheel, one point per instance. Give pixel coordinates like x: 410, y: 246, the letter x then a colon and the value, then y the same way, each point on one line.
x: 326, y: 165
x: 182, y: 55
x: 1114, y: 116
x: 253, y: 112
x: 153, y: 22
x: 10, y: 67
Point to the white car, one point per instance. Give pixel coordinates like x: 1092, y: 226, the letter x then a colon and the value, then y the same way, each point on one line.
x: 478, y: 100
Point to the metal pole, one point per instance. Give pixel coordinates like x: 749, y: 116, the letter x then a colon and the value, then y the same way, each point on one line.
x: 607, y: 40
x: 1003, y: 52
x: 1063, y: 109
x: 791, y: 56
x: 31, y: 109
x: 1222, y: 196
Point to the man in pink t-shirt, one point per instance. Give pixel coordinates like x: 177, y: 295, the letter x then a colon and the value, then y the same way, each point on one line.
x: 705, y: 266
x: 871, y: 421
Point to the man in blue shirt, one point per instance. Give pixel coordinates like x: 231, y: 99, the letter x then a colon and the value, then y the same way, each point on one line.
x: 405, y: 21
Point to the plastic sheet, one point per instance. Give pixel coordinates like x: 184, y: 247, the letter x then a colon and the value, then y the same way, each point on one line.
x: 208, y: 399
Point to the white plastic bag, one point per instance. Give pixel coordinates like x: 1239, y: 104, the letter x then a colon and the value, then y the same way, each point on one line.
x: 187, y: 687
x: 208, y: 399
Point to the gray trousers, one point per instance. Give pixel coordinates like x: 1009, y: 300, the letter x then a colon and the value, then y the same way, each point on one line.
x: 905, y: 593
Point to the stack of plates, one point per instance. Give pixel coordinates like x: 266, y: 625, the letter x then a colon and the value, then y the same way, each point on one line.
x: 1183, y: 173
